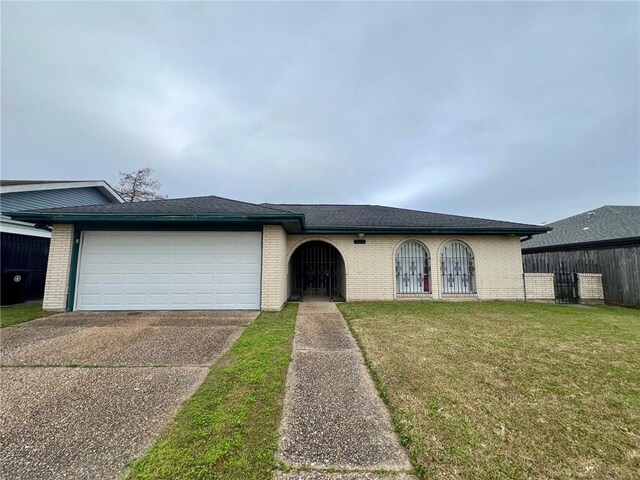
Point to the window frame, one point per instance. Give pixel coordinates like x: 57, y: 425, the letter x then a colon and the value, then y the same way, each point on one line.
x: 418, y: 277
x: 469, y: 270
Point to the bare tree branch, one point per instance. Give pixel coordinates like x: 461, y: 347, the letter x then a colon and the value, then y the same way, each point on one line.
x: 138, y: 186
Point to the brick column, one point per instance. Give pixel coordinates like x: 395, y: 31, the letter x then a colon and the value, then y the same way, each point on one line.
x: 57, y: 283
x: 540, y: 287
x: 274, y: 267
x: 590, y: 288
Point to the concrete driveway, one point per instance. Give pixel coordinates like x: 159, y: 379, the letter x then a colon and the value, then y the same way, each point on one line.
x: 82, y: 394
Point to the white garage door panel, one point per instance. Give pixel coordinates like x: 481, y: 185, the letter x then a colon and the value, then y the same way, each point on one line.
x: 169, y: 271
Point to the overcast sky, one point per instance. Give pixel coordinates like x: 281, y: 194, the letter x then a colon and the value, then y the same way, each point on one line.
x: 518, y: 111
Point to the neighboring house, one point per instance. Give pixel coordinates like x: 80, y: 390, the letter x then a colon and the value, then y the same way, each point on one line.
x: 605, y: 240
x: 25, y: 246
x: 216, y: 253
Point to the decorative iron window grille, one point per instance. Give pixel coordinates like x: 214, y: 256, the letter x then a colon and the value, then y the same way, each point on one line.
x: 413, y: 272
x: 458, y: 268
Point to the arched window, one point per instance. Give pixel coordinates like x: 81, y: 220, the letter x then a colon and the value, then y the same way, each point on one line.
x: 413, y: 273
x: 458, y: 268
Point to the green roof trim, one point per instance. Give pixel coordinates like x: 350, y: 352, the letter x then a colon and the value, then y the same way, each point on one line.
x: 431, y: 230
x: 57, y: 217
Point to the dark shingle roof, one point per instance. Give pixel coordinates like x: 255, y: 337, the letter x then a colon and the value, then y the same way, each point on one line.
x: 210, y: 205
x: 608, y: 223
x: 318, y: 216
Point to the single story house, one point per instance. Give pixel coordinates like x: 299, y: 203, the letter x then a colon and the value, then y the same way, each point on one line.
x: 217, y: 253
x: 25, y: 246
x: 604, y: 241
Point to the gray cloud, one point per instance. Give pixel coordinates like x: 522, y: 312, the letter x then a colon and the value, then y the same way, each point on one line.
x: 518, y: 111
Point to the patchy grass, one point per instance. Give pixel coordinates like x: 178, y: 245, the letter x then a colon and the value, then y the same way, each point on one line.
x: 24, y: 312
x: 508, y: 390
x: 229, y: 427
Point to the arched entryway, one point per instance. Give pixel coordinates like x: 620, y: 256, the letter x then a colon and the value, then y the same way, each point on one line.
x: 317, y: 271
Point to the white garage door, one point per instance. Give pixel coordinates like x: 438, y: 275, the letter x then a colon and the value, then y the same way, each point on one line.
x: 169, y: 271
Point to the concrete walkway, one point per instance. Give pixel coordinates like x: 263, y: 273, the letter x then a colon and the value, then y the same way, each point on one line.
x: 334, y: 425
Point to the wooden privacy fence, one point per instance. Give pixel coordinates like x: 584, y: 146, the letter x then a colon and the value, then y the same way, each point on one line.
x: 620, y: 269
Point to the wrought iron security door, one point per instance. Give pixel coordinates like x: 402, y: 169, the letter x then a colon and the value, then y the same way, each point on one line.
x: 315, y: 271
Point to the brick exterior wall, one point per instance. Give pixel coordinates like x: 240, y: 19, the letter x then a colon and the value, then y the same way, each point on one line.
x: 274, y: 267
x: 590, y: 288
x: 58, y: 266
x: 370, y: 268
x: 540, y: 287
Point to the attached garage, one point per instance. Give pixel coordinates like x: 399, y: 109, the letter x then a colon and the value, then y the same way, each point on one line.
x: 168, y: 270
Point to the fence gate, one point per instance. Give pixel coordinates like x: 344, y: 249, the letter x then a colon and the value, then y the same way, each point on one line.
x: 566, y: 287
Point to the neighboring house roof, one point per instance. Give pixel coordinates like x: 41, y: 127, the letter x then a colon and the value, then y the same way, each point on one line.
x: 12, y: 183
x: 23, y: 195
x: 608, y: 225
x: 295, y: 218
x: 14, y: 186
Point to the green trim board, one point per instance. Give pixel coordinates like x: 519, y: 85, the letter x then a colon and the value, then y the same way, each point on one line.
x: 291, y: 222
x: 73, y: 268
x: 257, y: 226
x: 236, y: 224
x: 431, y: 230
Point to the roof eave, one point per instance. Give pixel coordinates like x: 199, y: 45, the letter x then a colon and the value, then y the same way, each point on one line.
x: 293, y: 223
x: 432, y: 230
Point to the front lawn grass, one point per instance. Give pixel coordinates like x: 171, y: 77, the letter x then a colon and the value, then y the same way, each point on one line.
x: 508, y: 390
x: 23, y: 312
x: 229, y: 427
